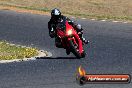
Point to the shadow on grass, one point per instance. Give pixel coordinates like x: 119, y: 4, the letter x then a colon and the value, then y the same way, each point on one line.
x: 56, y: 58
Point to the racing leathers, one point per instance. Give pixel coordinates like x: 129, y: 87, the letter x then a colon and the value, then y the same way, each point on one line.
x: 52, y: 29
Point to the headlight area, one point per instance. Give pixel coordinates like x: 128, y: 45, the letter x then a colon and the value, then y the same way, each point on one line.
x: 69, y: 32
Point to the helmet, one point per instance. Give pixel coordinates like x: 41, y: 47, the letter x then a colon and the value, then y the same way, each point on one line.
x: 55, y: 14
x: 79, y: 26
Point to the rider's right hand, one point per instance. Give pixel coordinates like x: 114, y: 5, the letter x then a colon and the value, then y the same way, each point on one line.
x: 52, y: 33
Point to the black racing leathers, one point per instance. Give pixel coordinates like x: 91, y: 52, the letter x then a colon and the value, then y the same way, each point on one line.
x: 53, y: 22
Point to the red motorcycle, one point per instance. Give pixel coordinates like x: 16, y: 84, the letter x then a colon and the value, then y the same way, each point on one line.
x: 70, y: 39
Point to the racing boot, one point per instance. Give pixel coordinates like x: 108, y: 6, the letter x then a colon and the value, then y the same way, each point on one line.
x: 58, y: 42
x: 82, y: 38
x: 67, y: 51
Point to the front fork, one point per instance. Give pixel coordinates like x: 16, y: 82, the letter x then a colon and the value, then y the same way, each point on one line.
x: 78, y: 42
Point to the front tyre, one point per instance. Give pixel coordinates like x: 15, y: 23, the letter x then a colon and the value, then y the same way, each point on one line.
x: 74, y: 50
x: 83, y: 54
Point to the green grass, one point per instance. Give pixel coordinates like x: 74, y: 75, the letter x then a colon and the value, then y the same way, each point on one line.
x: 100, y: 9
x: 8, y: 52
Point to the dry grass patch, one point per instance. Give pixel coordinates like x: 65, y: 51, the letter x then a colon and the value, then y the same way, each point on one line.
x: 8, y: 52
x: 108, y: 9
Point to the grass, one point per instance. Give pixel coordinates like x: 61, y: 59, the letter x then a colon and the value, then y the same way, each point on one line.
x: 98, y: 9
x: 8, y: 51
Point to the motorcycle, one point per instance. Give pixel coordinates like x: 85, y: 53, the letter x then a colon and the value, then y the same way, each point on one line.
x: 70, y: 39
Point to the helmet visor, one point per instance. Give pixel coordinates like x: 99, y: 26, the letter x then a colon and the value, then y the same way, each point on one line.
x: 56, y: 17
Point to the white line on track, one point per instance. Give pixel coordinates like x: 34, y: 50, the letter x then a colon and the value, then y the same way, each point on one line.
x: 83, y: 18
x: 103, y: 20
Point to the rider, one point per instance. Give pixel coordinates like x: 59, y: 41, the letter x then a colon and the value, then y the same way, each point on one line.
x: 57, y: 17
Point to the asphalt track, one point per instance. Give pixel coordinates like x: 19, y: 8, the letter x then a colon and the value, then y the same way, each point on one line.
x: 110, y: 52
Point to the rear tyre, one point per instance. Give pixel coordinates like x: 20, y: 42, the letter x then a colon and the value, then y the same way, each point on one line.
x: 74, y: 50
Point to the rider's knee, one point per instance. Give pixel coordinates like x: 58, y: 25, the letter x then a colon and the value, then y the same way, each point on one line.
x: 79, y: 28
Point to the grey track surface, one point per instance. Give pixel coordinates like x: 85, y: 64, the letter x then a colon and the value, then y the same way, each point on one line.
x: 110, y: 52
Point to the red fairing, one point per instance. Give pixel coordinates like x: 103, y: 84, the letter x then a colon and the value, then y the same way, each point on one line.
x: 60, y: 33
x: 76, y: 37
x: 70, y: 34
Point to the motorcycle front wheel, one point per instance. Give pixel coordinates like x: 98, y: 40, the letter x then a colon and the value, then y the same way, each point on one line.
x: 74, y: 50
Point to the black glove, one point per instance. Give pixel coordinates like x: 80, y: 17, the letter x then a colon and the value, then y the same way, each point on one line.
x: 52, y: 33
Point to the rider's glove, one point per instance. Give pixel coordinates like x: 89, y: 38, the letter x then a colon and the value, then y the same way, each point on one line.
x: 52, y: 33
x: 52, y: 29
